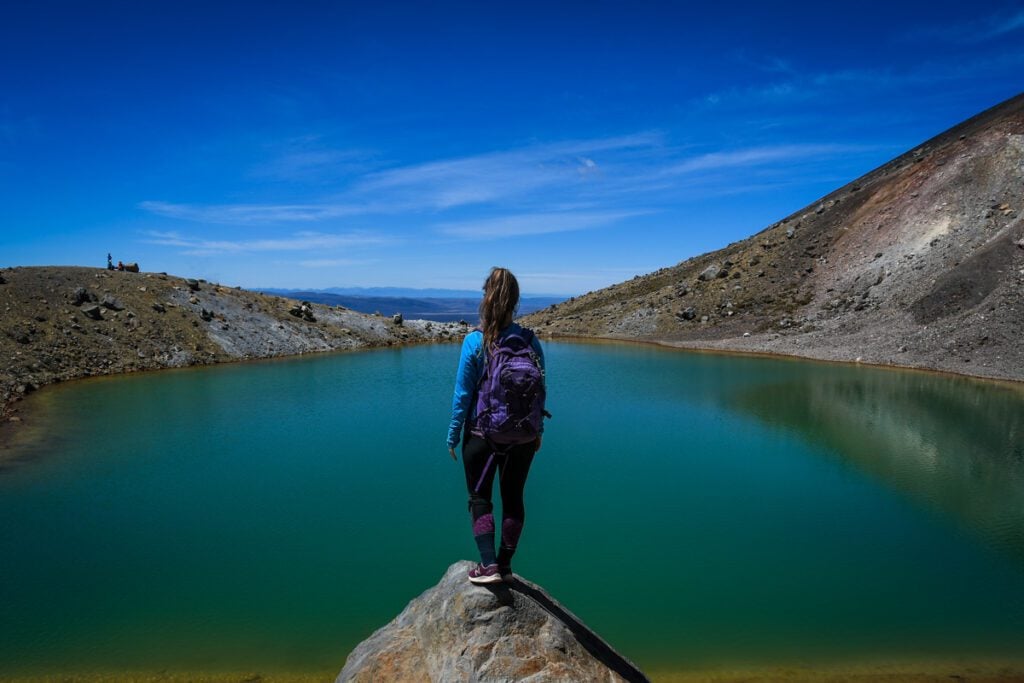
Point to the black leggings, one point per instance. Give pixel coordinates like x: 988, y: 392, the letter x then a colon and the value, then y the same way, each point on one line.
x: 481, y: 461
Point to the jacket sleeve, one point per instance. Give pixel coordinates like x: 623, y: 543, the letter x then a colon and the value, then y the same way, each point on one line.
x: 466, y: 379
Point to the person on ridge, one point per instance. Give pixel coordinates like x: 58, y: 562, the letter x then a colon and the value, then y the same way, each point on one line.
x: 498, y: 414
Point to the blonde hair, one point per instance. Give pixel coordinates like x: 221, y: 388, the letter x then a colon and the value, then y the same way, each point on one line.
x: 501, y: 298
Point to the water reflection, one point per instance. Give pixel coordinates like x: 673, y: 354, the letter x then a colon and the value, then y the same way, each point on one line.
x: 955, y: 445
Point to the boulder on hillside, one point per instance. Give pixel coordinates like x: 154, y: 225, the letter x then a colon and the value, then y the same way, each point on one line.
x: 457, y: 631
x: 304, y: 310
x: 710, y: 273
x: 81, y: 295
x: 93, y: 311
x: 111, y: 302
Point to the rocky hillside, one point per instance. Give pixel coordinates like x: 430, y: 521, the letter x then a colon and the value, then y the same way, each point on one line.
x: 919, y: 263
x: 457, y: 631
x: 61, y: 323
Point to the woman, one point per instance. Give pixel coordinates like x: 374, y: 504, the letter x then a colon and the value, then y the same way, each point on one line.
x: 480, y: 456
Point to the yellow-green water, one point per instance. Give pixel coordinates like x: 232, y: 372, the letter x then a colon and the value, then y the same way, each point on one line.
x: 699, y: 512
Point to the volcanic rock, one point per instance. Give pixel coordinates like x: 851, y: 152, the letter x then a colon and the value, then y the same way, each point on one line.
x: 710, y: 273
x: 457, y: 631
x: 111, y: 302
x: 81, y: 295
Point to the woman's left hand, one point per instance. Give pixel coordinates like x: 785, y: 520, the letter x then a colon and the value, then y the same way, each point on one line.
x: 451, y: 450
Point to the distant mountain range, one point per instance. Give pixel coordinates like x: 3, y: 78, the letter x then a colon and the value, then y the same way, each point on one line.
x: 403, y: 292
x: 442, y: 305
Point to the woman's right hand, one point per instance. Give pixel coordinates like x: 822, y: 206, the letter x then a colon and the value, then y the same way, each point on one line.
x: 451, y: 450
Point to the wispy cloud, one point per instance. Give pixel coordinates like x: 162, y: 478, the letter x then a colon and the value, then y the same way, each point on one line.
x: 980, y: 30
x: 732, y: 172
x: 252, y: 214
x: 532, y: 224
x: 335, y: 262
x: 759, y: 156
x: 488, y: 178
x: 311, y: 158
x: 802, y: 88
x: 301, y: 241
x: 535, y: 190
x: 498, y: 176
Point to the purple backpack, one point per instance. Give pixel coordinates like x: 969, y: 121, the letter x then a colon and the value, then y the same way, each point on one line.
x: 510, y: 397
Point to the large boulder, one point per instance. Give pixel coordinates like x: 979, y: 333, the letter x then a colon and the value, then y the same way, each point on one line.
x: 303, y: 310
x: 710, y: 273
x: 111, y: 302
x: 81, y: 295
x: 457, y: 631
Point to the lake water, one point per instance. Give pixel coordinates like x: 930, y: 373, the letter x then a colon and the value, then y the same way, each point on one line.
x: 695, y: 510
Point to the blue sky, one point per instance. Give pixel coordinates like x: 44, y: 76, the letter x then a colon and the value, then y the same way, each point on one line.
x: 313, y: 144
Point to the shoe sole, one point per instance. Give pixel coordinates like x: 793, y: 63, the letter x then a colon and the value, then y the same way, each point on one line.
x: 496, y: 578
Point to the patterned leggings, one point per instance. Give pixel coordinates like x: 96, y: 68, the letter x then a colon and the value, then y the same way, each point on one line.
x: 481, y: 462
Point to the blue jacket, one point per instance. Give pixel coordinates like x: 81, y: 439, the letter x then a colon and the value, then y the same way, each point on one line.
x: 471, y: 369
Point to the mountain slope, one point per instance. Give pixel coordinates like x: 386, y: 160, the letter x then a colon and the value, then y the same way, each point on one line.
x: 918, y: 263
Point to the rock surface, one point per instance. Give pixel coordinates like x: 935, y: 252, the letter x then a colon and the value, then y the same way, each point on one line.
x: 915, y: 264
x: 457, y: 631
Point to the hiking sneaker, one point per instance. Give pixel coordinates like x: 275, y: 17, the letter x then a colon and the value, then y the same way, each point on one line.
x: 506, y: 572
x: 482, y: 574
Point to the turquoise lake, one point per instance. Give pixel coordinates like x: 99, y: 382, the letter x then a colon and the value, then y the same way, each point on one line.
x: 695, y: 510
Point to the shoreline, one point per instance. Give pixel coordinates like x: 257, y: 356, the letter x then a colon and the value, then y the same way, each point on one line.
x: 693, y: 347
x: 11, y: 425
x: 920, y: 671
x: 924, y: 671
x: 65, y: 323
